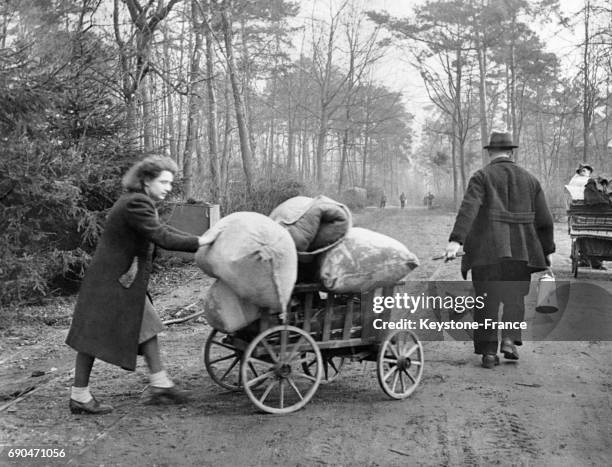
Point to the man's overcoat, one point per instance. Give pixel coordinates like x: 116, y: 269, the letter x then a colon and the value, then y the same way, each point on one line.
x: 504, y: 215
x: 110, y: 305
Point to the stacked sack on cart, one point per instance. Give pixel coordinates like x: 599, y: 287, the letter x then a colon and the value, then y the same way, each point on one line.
x: 255, y: 263
x: 257, y: 259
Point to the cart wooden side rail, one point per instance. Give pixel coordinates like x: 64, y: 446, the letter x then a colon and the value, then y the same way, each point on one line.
x: 281, y: 360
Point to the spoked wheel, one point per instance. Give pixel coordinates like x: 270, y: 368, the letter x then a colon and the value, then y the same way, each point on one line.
x: 399, y: 365
x: 331, y: 367
x: 273, y: 369
x: 222, y: 360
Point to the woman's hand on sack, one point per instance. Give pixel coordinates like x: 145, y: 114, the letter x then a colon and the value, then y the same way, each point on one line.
x: 202, y: 240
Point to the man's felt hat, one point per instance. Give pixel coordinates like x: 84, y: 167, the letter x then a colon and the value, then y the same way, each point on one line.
x: 500, y: 140
x: 583, y: 165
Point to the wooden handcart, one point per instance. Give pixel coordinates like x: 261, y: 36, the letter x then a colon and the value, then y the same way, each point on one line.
x: 280, y: 363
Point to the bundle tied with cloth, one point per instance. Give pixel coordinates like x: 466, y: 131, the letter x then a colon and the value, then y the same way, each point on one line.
x: 315, y: 224
x: 255, y: 263
x: 345, y: 259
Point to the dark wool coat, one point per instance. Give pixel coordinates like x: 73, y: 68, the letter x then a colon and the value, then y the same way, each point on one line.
x: 110, y: 305
x: 504, y: 215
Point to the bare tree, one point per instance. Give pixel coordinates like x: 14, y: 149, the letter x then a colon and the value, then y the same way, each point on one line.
x: 213, y: 134
x: 363, y: 54
x: 243, y: 130
x: 330, y: 79
x: 194, y: 99
x: 134, y: 58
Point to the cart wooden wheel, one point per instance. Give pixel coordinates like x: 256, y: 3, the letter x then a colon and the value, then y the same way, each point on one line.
x: 331, y: 367
x: 575, y: 255
x: 222, y: 360
x: 399, y: 364
x: 273, y: 372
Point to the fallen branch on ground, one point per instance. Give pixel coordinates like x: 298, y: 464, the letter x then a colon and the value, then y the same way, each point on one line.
x: 185, y: 318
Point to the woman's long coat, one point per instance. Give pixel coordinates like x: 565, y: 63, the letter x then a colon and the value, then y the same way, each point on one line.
x: 109, y: 308
x: 504, y: 216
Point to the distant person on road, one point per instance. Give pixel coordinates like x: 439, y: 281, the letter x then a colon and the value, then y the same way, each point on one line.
x: 114, y: 319
x: 506, y: 230
x: 383, y: 201
x: 429, y: 200
x: 403, y: 200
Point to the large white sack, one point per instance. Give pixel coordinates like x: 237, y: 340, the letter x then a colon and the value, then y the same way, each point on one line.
x: 315, y: 224
x: 254, y: 256
x: 227, y: 312
x: 363, y: 259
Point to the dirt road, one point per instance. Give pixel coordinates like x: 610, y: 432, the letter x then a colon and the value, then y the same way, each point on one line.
x: 553, y: 407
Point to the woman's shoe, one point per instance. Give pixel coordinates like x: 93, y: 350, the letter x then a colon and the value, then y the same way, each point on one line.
x: 92, y: 407
x: 489, y: 360
x: 162, y: 396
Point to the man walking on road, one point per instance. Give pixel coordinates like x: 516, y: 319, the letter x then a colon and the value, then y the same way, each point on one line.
x: 383, y: 201
x: 506, y: 230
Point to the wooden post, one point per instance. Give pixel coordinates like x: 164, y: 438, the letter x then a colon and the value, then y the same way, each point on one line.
x: 213, y: 214
x: 348, y: 319
x: 329, y: 317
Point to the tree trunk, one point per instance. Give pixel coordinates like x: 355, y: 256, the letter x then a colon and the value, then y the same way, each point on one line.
x: 513, y: 98
x: 344, y: 148
x: 456, y: 197
x: 607, y: 119
x: 586, y: 108
x: 246, y: 84
x: 243, y: 131
x: 313, y: 161
x: 364, y: 161
x: 458, y: 128
x: 290, y: 143
x: 213, y: 134
x: 147, y: 115
x: 482, y: 91
x: 169, y: 124
x: 347, y: 115
x: 304, y: 150
x: 321, y: 139
x: 182, y: 47
x: 194, y: 104
x: 227, y: 131
x: 272, y: 134
x: 126, y: 85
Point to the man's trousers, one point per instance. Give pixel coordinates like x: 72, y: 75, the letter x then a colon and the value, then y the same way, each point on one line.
x: 504, y: 283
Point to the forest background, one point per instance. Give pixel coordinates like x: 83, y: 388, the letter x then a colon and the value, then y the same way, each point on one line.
x: 261, y: 100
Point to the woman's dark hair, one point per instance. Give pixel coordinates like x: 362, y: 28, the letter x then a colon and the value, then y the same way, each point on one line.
x: 147, y: 169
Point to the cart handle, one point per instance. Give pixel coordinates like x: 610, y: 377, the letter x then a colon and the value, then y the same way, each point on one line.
x: 460, y: 253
